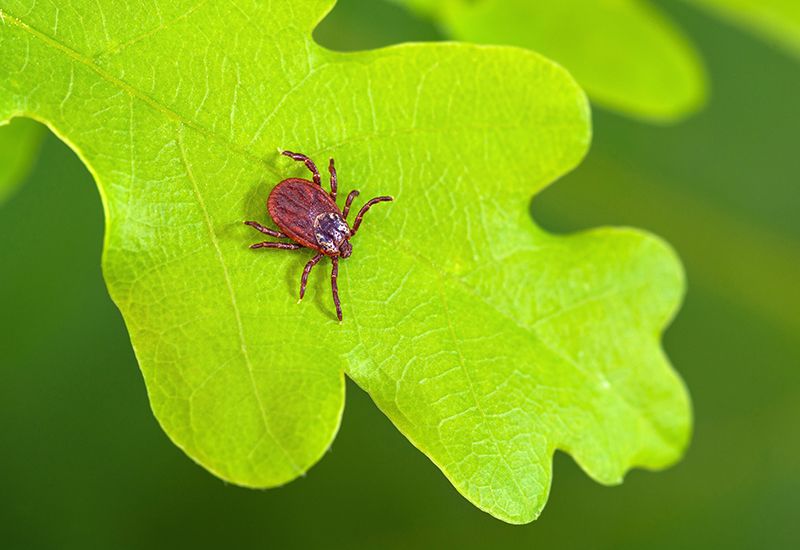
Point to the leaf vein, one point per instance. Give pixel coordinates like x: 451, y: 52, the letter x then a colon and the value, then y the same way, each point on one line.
x: 237, y: 314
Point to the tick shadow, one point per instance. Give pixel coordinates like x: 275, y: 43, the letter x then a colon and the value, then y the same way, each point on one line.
x: 287, y: 266
x: 254, y: 207
x: 318, y: 290
x: 289, y: 262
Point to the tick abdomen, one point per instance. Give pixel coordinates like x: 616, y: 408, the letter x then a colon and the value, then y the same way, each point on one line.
x: 295, y: 204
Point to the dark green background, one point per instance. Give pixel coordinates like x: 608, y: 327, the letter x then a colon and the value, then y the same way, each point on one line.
x: 84, y: 464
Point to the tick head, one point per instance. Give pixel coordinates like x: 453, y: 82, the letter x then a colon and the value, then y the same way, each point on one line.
x: 345, y: 249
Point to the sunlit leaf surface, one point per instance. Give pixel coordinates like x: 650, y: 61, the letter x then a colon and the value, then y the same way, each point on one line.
x: 488, y: 342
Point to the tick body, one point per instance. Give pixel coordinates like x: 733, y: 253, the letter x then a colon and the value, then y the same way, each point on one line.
x: 308, y: 215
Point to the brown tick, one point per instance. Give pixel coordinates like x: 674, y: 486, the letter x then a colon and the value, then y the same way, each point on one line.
x: 309, y: 216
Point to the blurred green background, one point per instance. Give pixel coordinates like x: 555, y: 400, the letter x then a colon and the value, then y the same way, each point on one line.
x: 84, y: 463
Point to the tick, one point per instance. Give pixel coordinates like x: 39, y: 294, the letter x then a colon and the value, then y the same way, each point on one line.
x: 309, y: 216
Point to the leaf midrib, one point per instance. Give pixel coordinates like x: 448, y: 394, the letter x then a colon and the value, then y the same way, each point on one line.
x: 237, y: 314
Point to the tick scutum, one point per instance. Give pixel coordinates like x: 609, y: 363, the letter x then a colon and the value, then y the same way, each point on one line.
x: 332, y: 232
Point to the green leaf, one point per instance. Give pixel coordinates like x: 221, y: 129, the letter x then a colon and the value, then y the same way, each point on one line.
x: 775, y: 20
x: 488, y: 342
x: 626, y: 54
x: 19, y: 147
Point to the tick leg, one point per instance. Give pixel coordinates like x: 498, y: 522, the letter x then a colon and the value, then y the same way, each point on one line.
x: 364, y: 209
x: 332, y: 170
x: 304, y: 279
x: 272, y: 244
x: 308, y: 162
x: 353, y: 194
x: 335, y: 287
x: 266, y: 230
